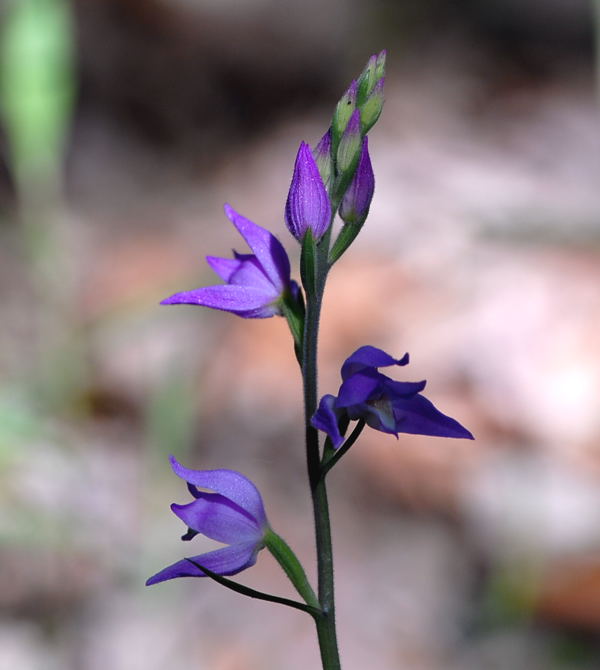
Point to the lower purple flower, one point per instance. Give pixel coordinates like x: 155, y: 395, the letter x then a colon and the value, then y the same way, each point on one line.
x: 384, y: 404
x: 234, y: 514
x: 255, y: 283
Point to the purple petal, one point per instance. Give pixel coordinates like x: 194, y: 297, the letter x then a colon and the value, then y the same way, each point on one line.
x: 266, y: 247
x: 369, y: 357
x: 325, y: 419
x: 307, y: 205
x: 224, y: 267
x: 251, y: 274
x: 224, y: 561
x: 394, y: 389
x: 418, y: 416
x: 228, y: 483
x: 246, y: 301
x: 357, y: 199
x: 360, y: 387
x: 219, y: 519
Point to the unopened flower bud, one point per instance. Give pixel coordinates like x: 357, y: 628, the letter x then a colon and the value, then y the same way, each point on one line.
x: 366, y: 81
x: 357, y: 199
x: 343, y: 111
x: 371, y: 109
x: 307, y: 203
x: 380, y: 66
x: 349, y: 148
x: 322, y: 156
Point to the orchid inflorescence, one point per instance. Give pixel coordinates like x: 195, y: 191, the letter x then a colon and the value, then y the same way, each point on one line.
x: 334, y: 178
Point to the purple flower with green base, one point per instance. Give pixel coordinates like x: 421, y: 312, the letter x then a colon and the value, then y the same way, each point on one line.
x: 233, y: 514
x: 356, y: 202
x: 384, y: 404
x: 255, y: 284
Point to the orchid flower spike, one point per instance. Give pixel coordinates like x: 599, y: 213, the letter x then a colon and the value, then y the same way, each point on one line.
x: 233, y: 514
x: 384, y: 404
x: 256, y: 283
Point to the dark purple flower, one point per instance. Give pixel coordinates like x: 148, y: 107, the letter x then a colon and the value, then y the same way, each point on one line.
x: 384, y: 404
x: 357, y: 199
x: 256, y: 282
x: 234, y: 514
x: 308, y: 205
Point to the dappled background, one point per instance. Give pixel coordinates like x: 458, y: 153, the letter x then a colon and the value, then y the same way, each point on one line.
x: 126, y: 124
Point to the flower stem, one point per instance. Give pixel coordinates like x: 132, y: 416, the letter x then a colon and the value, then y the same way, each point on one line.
x: 326, y: 630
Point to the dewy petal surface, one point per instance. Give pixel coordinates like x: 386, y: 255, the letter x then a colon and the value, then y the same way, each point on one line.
x: 250, y: 273
x: 224, y: 267
x: 244, y: 300
x: 225, y: 561
x: 228, y: 483
x: 219, y: 519
x: 266, y: 247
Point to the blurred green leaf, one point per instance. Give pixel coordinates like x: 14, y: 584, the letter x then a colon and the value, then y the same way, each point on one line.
x: 36, y: 83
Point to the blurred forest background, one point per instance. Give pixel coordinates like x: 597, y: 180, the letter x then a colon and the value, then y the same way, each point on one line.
x: 125, y: 126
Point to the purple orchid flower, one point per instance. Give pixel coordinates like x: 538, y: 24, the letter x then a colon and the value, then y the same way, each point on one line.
x: 384, y: 404
x: 233, y: 514
x: 307, y: 205
x: 256, y: 283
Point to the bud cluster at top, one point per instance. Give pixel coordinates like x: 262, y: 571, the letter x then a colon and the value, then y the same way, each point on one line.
x: 337, y: 174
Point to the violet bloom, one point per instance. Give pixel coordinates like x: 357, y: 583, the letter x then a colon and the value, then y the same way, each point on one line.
x: 307, y: 205
x: 256, y: 283
x: 234, y: 514
x: 384, y: 404
x: 357, y: 199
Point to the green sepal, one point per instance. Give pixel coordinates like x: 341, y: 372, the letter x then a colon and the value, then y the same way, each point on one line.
x: 370, y: 111
x: 380, y: 65
x: 292, y: 567
x: 315, y: 612
x: 343, y: 111
x: 344, y: 239
x: 348, y: 152
x: 309, y: 263
x: 366, y: 81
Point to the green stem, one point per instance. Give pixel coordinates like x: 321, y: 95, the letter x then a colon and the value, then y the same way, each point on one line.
x: 326, y: 630
x: 332, y: 456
